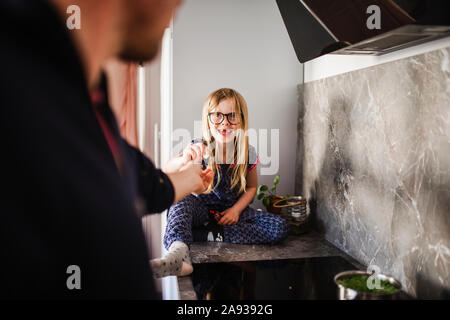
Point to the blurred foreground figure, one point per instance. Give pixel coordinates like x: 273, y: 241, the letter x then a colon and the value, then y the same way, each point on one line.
x: 74, y: 189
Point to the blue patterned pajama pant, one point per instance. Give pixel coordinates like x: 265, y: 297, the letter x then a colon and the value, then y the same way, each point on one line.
x: 253, y: 227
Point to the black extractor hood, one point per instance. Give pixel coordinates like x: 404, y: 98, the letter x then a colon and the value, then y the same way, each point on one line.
x: 370, y: 27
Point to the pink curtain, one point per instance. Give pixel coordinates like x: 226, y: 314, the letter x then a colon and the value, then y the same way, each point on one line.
x: 122, y: 90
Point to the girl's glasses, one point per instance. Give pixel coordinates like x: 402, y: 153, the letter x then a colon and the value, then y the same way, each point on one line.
x: 217, y: 117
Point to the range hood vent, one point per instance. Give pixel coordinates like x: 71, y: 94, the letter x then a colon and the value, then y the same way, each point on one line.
x: 317, y: 27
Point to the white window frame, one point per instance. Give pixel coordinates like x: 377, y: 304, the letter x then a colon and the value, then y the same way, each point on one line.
x: 170, y: 288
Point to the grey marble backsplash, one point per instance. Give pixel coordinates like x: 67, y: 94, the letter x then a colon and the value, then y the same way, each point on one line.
x: 373, y: 159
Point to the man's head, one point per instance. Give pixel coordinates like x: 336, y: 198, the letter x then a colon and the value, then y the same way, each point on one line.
x: 131, y: 30
x: 144, y: 22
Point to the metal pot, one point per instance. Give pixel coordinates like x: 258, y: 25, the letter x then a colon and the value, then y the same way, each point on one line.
x: 294, y: 207
x: 350, y: 294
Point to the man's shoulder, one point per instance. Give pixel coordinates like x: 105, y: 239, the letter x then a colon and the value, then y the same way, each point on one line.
x: 36, y: 48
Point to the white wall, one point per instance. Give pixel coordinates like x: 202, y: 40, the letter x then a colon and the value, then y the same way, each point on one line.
x: 334, y: 64
x: 241, y: 44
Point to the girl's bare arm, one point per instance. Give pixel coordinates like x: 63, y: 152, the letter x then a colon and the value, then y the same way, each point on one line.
x: 250, y: 191
x: 174, y: 164
x: 191, y: 152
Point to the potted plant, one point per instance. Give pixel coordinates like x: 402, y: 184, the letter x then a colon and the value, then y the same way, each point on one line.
x: 270, y: 197
x: 354, y: 285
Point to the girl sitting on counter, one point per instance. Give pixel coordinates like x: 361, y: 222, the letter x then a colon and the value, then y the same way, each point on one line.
x: 221, y: 212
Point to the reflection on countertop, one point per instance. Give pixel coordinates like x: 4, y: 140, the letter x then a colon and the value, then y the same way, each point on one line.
x: 281, y: 279
x: 308, y: 245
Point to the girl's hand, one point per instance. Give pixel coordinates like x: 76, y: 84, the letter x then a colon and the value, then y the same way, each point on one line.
x: 194, y: 152
x: 229, y: 217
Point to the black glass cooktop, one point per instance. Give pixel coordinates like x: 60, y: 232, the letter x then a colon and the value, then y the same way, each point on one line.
x: 287, y: 279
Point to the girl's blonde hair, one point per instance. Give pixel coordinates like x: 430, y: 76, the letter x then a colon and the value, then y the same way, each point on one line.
x: 241, y: 147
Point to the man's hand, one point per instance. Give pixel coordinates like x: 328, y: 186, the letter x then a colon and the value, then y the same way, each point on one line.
x: 190, y: 179
x: 194, y: 152
x: 207, y: 178
x: 229, y: 217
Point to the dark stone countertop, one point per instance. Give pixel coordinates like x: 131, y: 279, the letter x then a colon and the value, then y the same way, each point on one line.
x: 307, y: 245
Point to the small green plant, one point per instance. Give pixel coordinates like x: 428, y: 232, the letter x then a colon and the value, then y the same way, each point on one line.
x: 265, y: 197
x: 359, y: 283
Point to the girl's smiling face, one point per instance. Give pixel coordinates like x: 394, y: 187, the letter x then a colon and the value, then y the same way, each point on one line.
x: 225, y: 131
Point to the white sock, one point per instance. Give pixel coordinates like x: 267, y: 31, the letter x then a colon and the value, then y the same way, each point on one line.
x: 176, y: 262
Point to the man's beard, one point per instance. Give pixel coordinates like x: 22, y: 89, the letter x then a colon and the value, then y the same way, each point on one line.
x: 140, y: 53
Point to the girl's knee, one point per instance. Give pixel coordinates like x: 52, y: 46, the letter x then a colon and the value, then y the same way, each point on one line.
x: 187, y: 202
x: 183, y: 207
x: 280, y: 230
